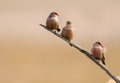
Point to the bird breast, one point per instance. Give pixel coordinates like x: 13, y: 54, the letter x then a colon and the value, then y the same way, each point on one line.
x: 68, y: 32
x: 97, y: 51
x: 52, y: 22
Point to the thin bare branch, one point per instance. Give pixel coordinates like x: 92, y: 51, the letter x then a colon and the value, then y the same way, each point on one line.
x: 103, y: 67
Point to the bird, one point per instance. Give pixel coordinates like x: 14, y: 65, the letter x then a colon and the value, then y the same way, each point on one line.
x: 68, y: 31
x: 52, y: 22
x: 98, y: 51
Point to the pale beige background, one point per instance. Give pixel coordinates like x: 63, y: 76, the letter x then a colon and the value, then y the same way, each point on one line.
x: 30, y: 54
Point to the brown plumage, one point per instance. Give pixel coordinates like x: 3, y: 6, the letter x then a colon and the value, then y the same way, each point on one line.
x: 52, y: 21
x: 68, y: 31
x: 98, y: 51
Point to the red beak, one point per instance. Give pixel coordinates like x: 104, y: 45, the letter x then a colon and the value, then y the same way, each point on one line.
x: 56, y: 14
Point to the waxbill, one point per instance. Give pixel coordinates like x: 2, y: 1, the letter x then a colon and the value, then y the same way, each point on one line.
x: 52, y: 22
x: 68, y: 31
x: 98, y: 51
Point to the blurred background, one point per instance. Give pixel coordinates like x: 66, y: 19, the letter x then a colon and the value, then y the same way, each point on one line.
x: 30, y: 54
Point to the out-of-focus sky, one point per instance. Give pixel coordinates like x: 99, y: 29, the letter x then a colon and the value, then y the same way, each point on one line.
x: 29, y: 53
x: 112, y: 81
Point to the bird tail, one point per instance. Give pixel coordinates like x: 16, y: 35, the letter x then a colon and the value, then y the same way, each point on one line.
x: 103, y: 60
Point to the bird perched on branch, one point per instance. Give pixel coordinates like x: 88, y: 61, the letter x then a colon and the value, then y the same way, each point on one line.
x: 52, y: 22
x: 98, y: 51
x: 68, y: 31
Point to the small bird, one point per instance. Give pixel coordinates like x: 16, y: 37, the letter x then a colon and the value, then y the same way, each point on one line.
x: 68, y: 31
x: 98, y: 51
x: 52, y: 21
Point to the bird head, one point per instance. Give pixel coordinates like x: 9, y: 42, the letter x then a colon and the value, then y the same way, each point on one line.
x: 52, y: 14
x: 55, y: 13
x: 68, y: 22
x: 98, y: 44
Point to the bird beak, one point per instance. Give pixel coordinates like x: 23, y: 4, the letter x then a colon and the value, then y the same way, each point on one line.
x: 57, y: 14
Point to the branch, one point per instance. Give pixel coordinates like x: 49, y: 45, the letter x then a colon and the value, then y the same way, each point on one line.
x: 86, y: 53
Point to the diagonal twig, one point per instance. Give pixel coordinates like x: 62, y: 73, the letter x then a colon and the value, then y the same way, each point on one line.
x: 85, y: 53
